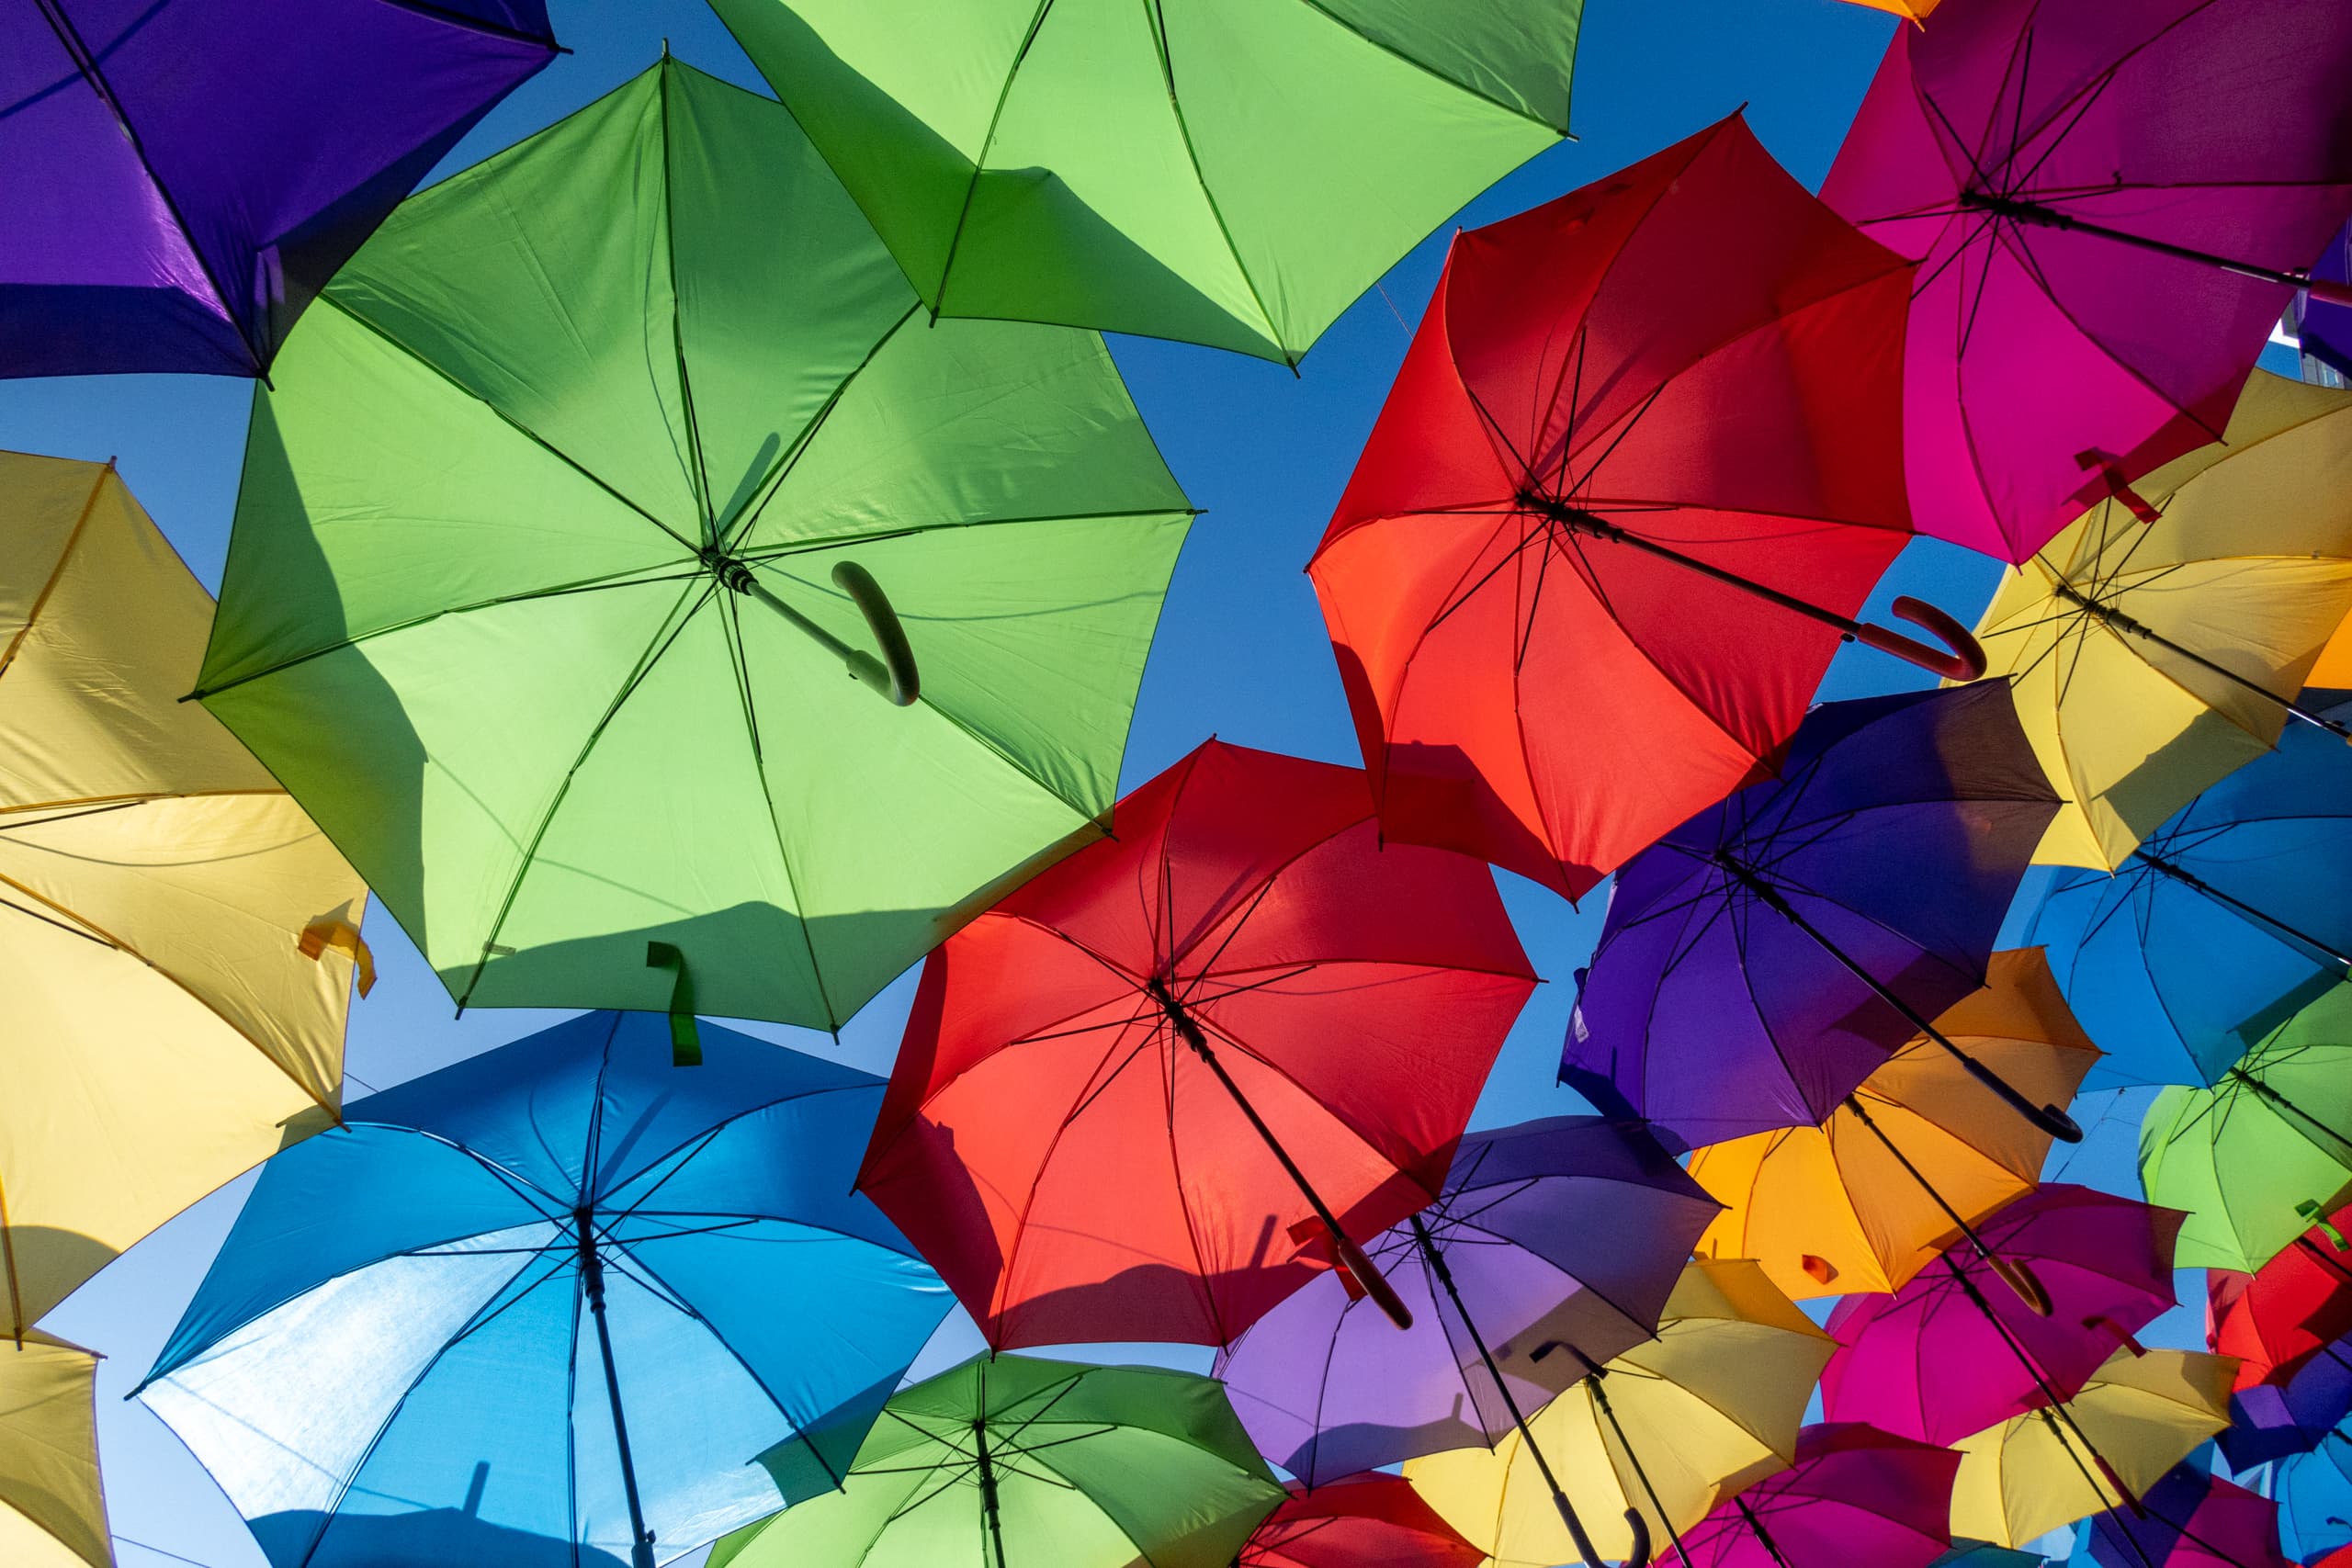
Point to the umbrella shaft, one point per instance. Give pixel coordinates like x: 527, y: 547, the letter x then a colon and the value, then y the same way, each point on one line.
x: 591, y: 1278
x: 1578, y: 520
x: 2051, y: 218
x: 2195, y: 883
x: 1975, y: 1242
x: 2109, y: 616
x: 1763, y: 1536
x: 988, y: 1485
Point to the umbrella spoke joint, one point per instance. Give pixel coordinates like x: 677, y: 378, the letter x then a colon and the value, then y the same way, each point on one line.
x: 894, y: 676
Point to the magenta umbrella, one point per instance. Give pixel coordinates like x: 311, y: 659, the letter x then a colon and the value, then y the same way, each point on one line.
x: 1855, y: 1495
x: 2191, y: 1521
x: 1960, y: 1347
x: 2111, y: 202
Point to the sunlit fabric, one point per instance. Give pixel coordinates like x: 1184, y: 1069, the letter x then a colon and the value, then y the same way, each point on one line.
x: 392, y: 1353
x: 53, y: 1513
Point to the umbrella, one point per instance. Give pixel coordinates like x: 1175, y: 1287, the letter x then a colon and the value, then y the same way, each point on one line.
x: 1947, y: 1355
x: 2111, y: 202
x: 2325, y: 330
x: 1370, y: 1520
x: 2252, y: 1158
x: 2270, y: 1421
x: 1910, y: 1161
x: 2151, y: 660
x: 1910, y: 10
x: 557, y: 654
x: 1981, y: 1554
x: 183, y: 179
x: 2136, y: 1417
x: 53, y: 1510
x: 1010, y: 1461
x: 176, y: 940
x: 1232, y: 175
x: 1152, y: 1092
x: 1664, y: 1432
x: 2291, y: 1309
x: 1573, y: 1229
x: 1618, y: 509
x: 1766, y: 956
x: 2191, y: 1521
x: 1854, y: 1494
x: 2225, y: 921
x: 2315, y: 1496
x: 403, y: 1315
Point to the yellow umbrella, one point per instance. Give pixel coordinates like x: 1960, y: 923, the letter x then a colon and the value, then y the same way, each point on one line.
x: 53, y: 1513
x: 176, y: 940
x: 2152, y: 659
x: 2137, y: 1417
x: 1870, y: 1197
x: 1670, y: 1427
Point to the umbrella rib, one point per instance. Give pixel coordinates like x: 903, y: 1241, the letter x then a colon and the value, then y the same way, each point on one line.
x: 471, y: 24
x: 661, y: 645
x: 1159, y: 20
x: 1427, y: 70
x: 64, y: 554
x: 69, y: 929
x: 699, y: 477
x: 987, y: 143
x: 85, y: 63
x: 1202, y: 970
x: 730, y: 618
x: 766, y: 553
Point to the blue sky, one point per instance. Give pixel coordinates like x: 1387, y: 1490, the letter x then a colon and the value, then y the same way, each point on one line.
x: 1241, y: 651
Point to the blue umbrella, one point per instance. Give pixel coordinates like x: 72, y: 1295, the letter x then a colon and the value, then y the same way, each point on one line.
x: 1765, y: 957
x: 2231, y: 916
x: 564, y: 1292
x: 2314, y: 1493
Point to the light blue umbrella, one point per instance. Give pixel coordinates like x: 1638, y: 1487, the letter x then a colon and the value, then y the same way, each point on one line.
x: 2314, y: 1493
x: 2227, y: 919
x: 548, y: 1305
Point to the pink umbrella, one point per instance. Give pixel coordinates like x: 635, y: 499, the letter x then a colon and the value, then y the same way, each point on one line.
x: 1855, y: 1495
x: 2111, y: 202
x: 1962, y: 1347
x: 2191, y: 1521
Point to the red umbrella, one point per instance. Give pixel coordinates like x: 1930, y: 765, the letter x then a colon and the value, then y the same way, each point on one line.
x: 1149, y: 1094
x: 1621, y: 507
x: 2297, y: 1305
x: 1369, y: 1521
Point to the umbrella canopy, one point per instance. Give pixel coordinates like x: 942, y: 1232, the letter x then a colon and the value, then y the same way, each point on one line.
x: 1152, y: 1092
x: 2111, y: 201
x: 2315, y: 1496
x: 2324, y: 328
x: 1572, y: 1229
x: 1618, y: 510
x: 1012, y: 1461
x: 1370, y: 1520
x: 1915, y: 1155
x: 161, y: 1026
x: 1958, y: 1349
x: 183, y: 179
x: 1910, y: 10
x: 1231, y: 175
x: 556, y: 656
x: 2136, y: 1417
x: 565, y: 1282
x: 53, y: 1510
x: 2252, y: 1158
x: 2191, y: 1521
x: 2271, y: 1421
x: 1770, y: 953
x: 1983, y: 1554
x: 2229, y: 918
x: 1854, y: 1494
x: 1665, y: 1431
x: 2153, y: 659
x: 2291, y: 1309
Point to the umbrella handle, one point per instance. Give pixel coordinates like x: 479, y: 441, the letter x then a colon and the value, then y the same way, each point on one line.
x: 2020, y: 1279
x: 2049, y: 1118
x: 894, y: 676
x: 1641, y: 1529
x: 2330, y: 293
x: 1965, y: 658
x: 1359, y: 1264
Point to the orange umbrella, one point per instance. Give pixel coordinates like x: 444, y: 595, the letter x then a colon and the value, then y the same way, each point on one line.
x: 1917, y: 1154
x: 1914, y: 10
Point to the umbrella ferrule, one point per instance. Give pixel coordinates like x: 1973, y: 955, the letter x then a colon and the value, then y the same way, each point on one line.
x: 2012, y: 207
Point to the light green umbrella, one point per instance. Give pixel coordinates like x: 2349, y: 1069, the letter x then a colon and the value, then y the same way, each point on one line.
x: 565, y: 515
x: 1227, y: 172
x: 1014, y: 1461
x: 2268, y: 1149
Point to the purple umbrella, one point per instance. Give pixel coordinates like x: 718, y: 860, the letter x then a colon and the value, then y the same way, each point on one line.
x: 1855, y: 1495
x: 2326, y: 329
x: 183, y: 176
x: 1762, y: 959
x: 2269, y: 1422
x: 1568, y: 1233
x: 1952, y: 1352
x: 2111, y: 202
x: 2190, y: 1519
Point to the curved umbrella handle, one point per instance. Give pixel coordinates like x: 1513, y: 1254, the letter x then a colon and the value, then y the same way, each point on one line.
x: 2329, y: 293
x: 2049, y: 1118
x: 2020, y: 1279
x: 1359, y: 1265
x: 1641, y: 1529
x: 1965, y: 660
x: 894, y: 674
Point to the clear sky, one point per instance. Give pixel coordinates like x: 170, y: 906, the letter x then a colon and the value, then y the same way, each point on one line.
x: 1241, y: 651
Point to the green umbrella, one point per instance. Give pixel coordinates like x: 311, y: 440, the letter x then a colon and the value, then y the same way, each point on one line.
x: 1013, y: 1461
x: 571, y: 502
x: 1227, y: 172
x: 2258, y: 1156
